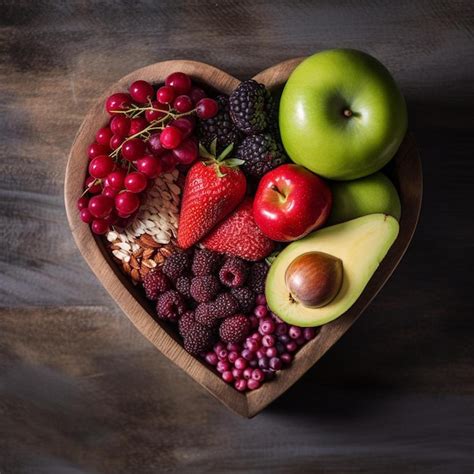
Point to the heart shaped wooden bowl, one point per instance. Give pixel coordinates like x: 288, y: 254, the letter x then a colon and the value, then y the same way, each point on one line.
x: 405, y: 170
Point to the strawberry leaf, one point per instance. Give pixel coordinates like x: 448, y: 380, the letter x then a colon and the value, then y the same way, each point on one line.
x: 204, y: 153
x: 233, y: 162
x: 226, y: 152
x: 214, y: 147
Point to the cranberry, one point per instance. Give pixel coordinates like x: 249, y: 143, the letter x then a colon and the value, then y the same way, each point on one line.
x: 141, y: 91
x: 261, y: 299
x: 280, y: 347
x: 82, y: 202
x: 218, y: 347
x: 247, y: 354
x: 222, y: 366
x: 206, y: 108
x: 268, y: 340
x: 240, y: 363
x: 227, y: 376
x: 300, y: 340
x: 253, y: 321
x: 180, y: 82
x: 232, y: 346
x: 99, y: 226
x: 257, y: 375
x: 263, y: 363
x: 233, y: 356
x: 281, y: 329
x: 247, y: 373
x: 291, y: 346
x: 118, y: 102
x: 86, y: 216
x: 275, y: 363
x: 267, y: 326
x: 253, y: 363
x: 253, y: 345
x: 240, y: 385
x: 96, y: 149
x: 222, y: 354
x: 183, y: 104
x: 309, y: 333
x: 257, y: 336
x: 165, y: 95
x: 286, y: 358
x: 253, y: 384
x: 260, y: 353
x: 237, y: 373
x: 103, y: 136
x: 271, y: 352
x: 120, y: 125
x: 294, y: 332
x: 284, y: 338
x: 260, y: 311
x: 211, y: 358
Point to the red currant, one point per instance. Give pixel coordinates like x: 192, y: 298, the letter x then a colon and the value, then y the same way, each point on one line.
x: 179, y: 81
x: 206, y: 108
x: 133, y: 149
x: 103, y: 136
x: 86, y: 216
x: 126, y: 203
x: 117, y: 102
x: 149, y: 166
x: 95, y: 149
x: 100, y: 205
x: 157, y: 112
x: 109, y: 192
x: 154, y: 144
x: 197, y: 94
x: 185, y: 124
x: 171, y: 137
x: 99, y: 226
x: 120, y: 125
x: 168, y: 162
x: 137, y: 125
x: 115, y: 141
x: 101, y: 166
x: 115, y: 179
x: 187, y: 151
x: 165, y: 95
x: 141, y: 91
x: 111, y: 219
x: 93, y: 185
x: 183, y: 104
x: 82, y: 202
x: 136, y: 182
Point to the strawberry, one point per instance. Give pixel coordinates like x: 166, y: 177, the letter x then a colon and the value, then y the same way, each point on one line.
x: 240, y: 236
x: 213, y: 188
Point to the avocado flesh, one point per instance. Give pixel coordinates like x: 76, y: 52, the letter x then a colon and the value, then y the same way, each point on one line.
x: 360, y: 243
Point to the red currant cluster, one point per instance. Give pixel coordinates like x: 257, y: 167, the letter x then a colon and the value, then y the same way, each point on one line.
x: 149, y: 133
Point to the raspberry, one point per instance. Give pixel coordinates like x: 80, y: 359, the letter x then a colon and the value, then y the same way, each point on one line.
x: 155, y: 283
x: 234, y: 272
x: 183, y: 285
x: 257, y: 276
x: 204, y: 316
x: 170, y: 306
x: 205, y: 262
x: 246, y: 298
x: 204, y: 288
x: 198, y: 339
x: 185, y: 323
x: 234, y: 329
x: 223, y: 306
x: 176, y: 265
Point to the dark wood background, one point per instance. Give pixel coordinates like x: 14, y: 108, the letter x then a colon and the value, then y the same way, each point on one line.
x: 82, y: 392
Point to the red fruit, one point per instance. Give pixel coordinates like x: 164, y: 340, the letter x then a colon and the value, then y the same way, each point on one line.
x: 197, y: 94
x: 149, y: 166
x: 168, y: 162
x: 86, y: 216
x: 133, y: 149
x: 206, y: 108
x: 165, y: 95
x: 185, y: 124
x: 187, y: 151
x: 115, y: 141
x: 211, y: 192
x: 115, y: 179
x: 137, y: 125
x: 96, y: 149
x: 103, y: 136
x: 158, y: 112
x: 109, y: 192
x: 171, y: 137
x: 101, y: 166
x: 82, y: 202
x: 92, y: 185
x: 154, y: 144
x: 100, y: 206
x: 117, y: 102
x: 239, y: 235
x: 136, y: 182
x: 141, y: 91
x: 111, y: 219
x: 99, y: 226
x: 120, y: 125
x: 180, y: 82
x: 183, y: 104
x: 126, y: 203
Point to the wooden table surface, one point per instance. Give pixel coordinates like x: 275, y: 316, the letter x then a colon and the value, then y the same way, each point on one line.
x: 81, y: 391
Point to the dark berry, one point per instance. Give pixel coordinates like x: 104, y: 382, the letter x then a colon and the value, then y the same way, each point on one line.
x: 176, y: 265
x: 246, y: 298
x: 234, y: 272
x: 185, y: 323
x: 205, y: 262
x: 234, y: 329
x: 198, y: 339
x: 155, y: 283
x: 204, y: 288
x: 170, y: 306
x: 183, y: 285
x: 257, y: 276
x: 224, y: 305
x: 204, y: 316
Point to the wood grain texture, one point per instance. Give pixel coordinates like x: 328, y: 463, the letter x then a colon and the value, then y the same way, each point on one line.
x: 396, y: 393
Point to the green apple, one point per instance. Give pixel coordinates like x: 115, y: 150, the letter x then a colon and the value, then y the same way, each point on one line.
x: 360, y: 197
x: 342, y: 115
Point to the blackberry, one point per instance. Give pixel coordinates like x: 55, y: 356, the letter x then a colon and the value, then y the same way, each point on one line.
x: 170, y: 306
x: 234, y: 272
x: 204, y: 316
x: 260, y: 154
x: 220, y: 126
x: 204, y: 288
x: 257, y: 276
x: 176, y: 265
x: 248, y: 107
x: 272, y: 107
x: 223, y: 306
x: 234, y: 329
x: 155, y: 283
x: 185, y: 323
x: 246, y: 298
x: 198, y: 339
x: 183, y: 285
x: 205, y: 262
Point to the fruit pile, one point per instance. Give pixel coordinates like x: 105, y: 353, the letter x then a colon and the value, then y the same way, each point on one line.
x: 254, y: 265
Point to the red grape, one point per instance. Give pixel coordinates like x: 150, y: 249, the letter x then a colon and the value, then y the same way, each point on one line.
x: 185, y: 124
x: 179, y: 81
x: 149, y: 166
x: 126, y: 203
x: 137, y: 125
x: 133, y: 149
x: 157, y: 113
x: 103, y: 136
x: 165, y: 95
x: 117, y: 102
x: 91, y: 187
x: 206, y: 108
x: 115, y: 179
x: 115, y: 141
x: 95, y: 149
x: 197, y: 94
x: 101, y: 166
x: 86, y: 216
x: 154, y: 144
x: 187, y: 151
x: 82, y: 202
x: 136, y: 182
x: 182, y: 104
x: 141, y: 91
x: 120, y: 125
x: 171, y: 137
x: 100, y: 205
x: 168, y: 162
x: 99, y: 226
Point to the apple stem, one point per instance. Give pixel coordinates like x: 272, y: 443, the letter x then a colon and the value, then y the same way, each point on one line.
x: 347, y: 113
x: 274, y: 188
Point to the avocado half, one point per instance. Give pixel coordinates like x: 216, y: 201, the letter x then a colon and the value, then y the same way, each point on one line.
x: 360, y: 243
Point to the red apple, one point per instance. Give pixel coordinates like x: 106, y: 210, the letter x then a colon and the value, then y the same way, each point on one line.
x: 291, y: 202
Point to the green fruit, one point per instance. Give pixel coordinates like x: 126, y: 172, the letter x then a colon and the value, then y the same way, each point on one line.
x: 370, y: 195
x: 361, y: 244
x: 342, y: 115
